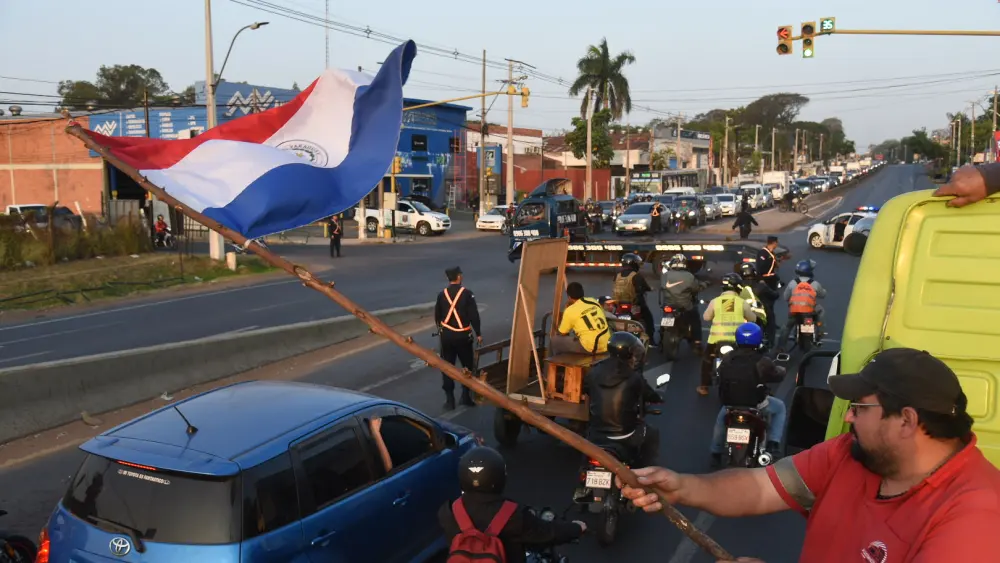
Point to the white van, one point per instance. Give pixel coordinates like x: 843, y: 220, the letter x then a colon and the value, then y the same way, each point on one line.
x: 679, y: 191
x: 755, y: 194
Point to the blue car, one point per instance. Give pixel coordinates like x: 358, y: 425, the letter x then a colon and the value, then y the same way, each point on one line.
x: 263, y: 471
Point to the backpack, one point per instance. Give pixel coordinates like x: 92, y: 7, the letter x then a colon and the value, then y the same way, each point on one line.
x: 624, y: 289
x: 472, y: 545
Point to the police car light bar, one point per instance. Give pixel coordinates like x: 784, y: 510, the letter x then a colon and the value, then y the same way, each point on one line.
x: 871, y: 208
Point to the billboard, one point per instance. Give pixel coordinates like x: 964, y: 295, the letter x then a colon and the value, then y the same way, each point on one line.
x: 236, y: 100
x: 164, y: 123
x: 494, y: 158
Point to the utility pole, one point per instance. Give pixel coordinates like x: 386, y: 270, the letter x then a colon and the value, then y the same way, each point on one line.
x: 677, y: 148
x: 145, y: 107
x: 482, y: 145
x: 587, y: 189
x: 756, y: 135
x: 725, y: 154
x: 958, y: 143
x: 510, y: 126
x: 774, y: 149
x: 795, y: 152
x: 972, y: 134
x: 628, y: 157
x: 821, y: 148
x: 326, y: 28
x: 216, y: 244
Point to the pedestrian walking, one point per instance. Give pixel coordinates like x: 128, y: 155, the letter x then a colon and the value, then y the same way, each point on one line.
x: 336, y: 233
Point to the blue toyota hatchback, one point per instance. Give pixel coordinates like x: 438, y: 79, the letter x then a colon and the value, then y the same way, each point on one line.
x: 262, y: 472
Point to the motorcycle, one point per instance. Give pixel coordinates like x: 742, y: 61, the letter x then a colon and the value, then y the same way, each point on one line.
x: 795, y: 205
x: 625, y: 312
x: 16, y: 549
x: 168, y: 241
x: 546, y: 554
x: 598, y: 492
x: 746, y: 435
x: 806, y: 334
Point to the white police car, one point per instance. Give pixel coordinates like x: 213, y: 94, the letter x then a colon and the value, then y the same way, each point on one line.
x: 834, y: 230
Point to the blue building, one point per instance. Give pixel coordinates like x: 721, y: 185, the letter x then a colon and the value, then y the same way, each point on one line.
x: 431, y: 144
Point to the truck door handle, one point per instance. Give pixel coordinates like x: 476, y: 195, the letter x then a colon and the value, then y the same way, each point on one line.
x: 323, y: 539
x: 402, y: 499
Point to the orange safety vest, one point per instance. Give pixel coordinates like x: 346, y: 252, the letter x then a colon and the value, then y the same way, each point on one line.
x: 453, y: 312
x: 656, y: 211
x: 774, y: 261
x: 803, y: 299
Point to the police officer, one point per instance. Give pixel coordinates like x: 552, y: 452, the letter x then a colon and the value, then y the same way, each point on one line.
x: 656, y: 220
x: 726, y: 313
x: 336, y: 233
x: 767, y: 263
x: 457, y: 316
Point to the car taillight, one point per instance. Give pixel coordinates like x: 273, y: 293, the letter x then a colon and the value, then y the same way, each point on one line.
x: 625, y: 306
x: 595, y: 463
x: 43, y: 546
x: 668, y: 310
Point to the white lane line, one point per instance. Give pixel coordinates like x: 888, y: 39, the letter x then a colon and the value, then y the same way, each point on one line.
x: 51, y: 334
x: 275, y: 305
x: 239, y: 330
x: 15, y: 358
x: 687, y: 549
x: 145, y: 305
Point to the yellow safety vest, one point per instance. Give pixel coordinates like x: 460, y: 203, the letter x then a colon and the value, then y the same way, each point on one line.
x: 748, y: 295
x: 728, y: 317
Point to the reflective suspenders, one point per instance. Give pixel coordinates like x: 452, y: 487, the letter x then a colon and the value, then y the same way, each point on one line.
x: 452, y: 312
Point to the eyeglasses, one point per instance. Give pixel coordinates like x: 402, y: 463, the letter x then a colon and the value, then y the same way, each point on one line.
x: 855, y: 406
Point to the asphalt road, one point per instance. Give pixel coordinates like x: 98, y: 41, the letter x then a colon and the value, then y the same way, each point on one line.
x: 542, y: 471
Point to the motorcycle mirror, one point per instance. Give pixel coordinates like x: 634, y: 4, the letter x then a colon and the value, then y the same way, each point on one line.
x: 663, y: 380
x: 782, y: 357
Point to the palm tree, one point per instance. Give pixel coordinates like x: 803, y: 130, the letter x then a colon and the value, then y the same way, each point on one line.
x: 605, y: 75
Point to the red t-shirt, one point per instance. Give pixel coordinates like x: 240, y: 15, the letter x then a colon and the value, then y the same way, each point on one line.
x: 953, y: 515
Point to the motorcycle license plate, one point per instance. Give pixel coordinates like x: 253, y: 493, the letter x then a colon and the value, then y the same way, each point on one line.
x: 738, y: 435
x: 807, y: 329
x: 602, y: 479
x: 667, y: 321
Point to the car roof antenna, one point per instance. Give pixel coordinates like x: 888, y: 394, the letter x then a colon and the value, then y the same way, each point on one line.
x: 191, y: 429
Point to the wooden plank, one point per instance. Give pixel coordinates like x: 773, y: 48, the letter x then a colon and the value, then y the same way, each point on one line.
x: 563, y: 409
x: 576, y: 360
x: 534, y: 350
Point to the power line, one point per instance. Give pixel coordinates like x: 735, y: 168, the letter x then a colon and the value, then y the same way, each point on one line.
x: 30, y: 80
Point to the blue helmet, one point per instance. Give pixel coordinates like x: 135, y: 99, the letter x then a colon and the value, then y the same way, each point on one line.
x: 804, y: 268
x: 749, y: 335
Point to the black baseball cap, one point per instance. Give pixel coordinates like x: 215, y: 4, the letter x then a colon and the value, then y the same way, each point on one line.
x: 914, y: 376
x: 453, y: 273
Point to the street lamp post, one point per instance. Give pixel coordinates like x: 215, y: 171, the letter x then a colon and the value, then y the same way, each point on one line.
x: 216, y: 244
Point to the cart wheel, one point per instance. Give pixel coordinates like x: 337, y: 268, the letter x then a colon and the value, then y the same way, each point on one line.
x: 506, y: 427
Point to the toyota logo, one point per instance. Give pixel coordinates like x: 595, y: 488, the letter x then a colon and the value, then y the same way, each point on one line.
x: 120, y: 546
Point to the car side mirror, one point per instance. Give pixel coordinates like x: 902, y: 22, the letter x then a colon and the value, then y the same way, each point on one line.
x: 450, y: 441
x: 662, y: 380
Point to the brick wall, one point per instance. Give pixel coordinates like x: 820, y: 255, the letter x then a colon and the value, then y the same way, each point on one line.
x: 41, y: 164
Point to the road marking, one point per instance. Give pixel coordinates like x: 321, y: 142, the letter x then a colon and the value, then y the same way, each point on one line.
x: 687, y: 549
x: 239, y: 330
x: 25, y: 356
x: 150, y: 304
x: 274, y: 305
x: 51, y: 334
x: 392, y: 378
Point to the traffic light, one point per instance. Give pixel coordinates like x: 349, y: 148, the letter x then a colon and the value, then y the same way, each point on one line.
x: 827, y: 25
x: 785, y: 40
x: 489, y: 172
x: 397, y: 165
x: 525, y: 92
x: 808, y: 31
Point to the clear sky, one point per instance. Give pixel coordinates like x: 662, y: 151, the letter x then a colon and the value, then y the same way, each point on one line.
x: 691, y: 56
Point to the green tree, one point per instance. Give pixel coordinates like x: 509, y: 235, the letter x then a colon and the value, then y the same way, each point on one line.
x: 600, y: 138
x: 660, y: 160
x: 605, y: 74
x: 118, y: 86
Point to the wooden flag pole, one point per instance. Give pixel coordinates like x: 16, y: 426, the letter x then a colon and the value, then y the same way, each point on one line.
x: 463, y: 376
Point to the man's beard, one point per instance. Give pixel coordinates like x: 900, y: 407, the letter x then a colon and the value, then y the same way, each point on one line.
x: 879, y: 461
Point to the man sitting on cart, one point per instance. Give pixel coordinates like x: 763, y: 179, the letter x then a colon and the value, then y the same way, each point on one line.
x: 584, y: 326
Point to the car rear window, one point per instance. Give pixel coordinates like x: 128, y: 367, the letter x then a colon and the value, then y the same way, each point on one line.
x: 725, y: 197
x: 163, y: 506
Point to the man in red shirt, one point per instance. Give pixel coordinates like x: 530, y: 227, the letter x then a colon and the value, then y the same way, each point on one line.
x: 906, y: 484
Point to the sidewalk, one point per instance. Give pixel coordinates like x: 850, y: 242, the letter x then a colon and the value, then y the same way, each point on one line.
x: 773, y: 221
x: 462, y: 228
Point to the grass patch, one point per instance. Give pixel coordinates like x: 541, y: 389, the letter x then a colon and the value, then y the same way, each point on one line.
x: 83, y: 281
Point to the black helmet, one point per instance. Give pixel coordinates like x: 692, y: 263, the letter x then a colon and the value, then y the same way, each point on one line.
x: 748, y: 271
x: 632, y: 261
x: 626, y: 347
x: 731, y: 282
x: 483, y: 470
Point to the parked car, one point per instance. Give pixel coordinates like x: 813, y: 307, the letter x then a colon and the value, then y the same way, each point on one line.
x: 711, y: 205
x: 492, y: 220
x: 410, y: 215
x: 636, y: 219
x: 262, y: 471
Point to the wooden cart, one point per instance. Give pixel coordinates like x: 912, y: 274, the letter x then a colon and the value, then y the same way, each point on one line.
x: 549, y: 385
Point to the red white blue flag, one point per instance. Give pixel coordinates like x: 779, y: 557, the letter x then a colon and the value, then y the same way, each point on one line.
x: 289, y: 166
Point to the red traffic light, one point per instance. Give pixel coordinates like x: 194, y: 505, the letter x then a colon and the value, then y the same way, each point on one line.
x: 783, y: 49
x: 784, y: 32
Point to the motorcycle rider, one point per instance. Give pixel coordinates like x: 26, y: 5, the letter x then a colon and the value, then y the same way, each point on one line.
x: 631, y: 287
x: 618, y: 393
x: 743, y: 377
x: 482, y: 476
x: 749, y: 277
x: 726, y: 313
x: 679, y: 290
x: 801, y: 294
x: 161, y: 230
x: 767, y: 296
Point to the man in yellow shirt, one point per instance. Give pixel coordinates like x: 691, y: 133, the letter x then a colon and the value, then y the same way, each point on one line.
x: 584, y: 325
